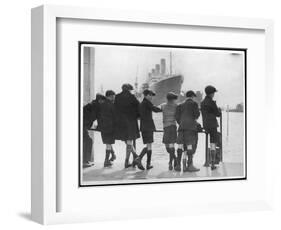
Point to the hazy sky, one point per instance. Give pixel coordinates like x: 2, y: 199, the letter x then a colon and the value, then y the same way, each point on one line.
x: 115, y: 65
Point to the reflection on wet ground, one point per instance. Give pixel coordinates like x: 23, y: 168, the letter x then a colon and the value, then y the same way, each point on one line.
x: 232, y: 166
x: 118, y: 173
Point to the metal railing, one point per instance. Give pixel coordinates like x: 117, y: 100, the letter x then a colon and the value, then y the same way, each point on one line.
x: 207, y: 152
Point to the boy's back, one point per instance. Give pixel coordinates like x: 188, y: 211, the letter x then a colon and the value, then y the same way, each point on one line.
x: 169, y: 114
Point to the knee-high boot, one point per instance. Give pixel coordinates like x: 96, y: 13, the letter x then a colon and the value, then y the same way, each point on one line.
x: 113, y: 156
x: 128, y: 153
x: 178, y: 166
x: 138, y: 160
x: 107, y: 163
x: 213, y: 159
x: 184, y: 165
x: 174, y: 157
x: 148, y: 161
x: 171, y: 157
x: 191, y: 167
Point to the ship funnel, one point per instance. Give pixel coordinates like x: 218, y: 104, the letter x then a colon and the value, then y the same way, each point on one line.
x: 157, y: 69
x: 163, y: 66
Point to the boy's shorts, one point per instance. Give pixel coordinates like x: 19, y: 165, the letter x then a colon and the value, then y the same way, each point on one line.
x: 147, y: 137
x: 170, y: 134
x: 188, y: 137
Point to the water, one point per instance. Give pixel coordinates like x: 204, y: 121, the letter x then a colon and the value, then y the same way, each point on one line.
x: 233, y: 145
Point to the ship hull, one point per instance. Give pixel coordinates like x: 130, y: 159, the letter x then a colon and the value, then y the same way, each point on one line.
x: 161, y: 88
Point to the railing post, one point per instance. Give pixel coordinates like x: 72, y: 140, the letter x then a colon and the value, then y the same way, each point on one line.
x: 221, y: 152
x: 207, y: 155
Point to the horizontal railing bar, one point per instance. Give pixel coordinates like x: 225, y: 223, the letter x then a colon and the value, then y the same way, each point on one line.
x: 156, y: 131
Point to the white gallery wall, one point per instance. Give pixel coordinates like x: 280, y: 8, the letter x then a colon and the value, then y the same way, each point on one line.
x: 15, y: 112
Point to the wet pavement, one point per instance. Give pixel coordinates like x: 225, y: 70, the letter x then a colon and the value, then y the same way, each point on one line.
x: 232, y: 166
x: 118, y: 174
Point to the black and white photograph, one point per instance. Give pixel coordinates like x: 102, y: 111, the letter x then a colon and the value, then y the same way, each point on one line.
x: 161, y: 113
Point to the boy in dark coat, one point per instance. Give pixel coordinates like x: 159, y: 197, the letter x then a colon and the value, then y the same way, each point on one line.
x: 210, y: 112
x: 91, y: 113
x: 106, y: 125
x: 147, y: 127
x: 186, y: 115
x: 127, y: 114
x: 170, y: 127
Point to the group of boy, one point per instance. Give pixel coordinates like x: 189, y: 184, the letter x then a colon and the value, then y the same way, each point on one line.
x: 118, y: 117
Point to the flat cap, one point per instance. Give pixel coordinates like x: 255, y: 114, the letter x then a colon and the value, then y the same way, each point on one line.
x: 210, y: 89
x: 148, y: 92
x: 172, y: 96
x: 190, y: 93
x: 127, y: 87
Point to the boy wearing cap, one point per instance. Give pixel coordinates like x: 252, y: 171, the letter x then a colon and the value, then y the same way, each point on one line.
x: 106, y: 124
x: 187, y: 114
x: 170, y: 127
x: 91, y: 112
x: 127, y: 114
x: 210, y: 112
x: 147, y: 127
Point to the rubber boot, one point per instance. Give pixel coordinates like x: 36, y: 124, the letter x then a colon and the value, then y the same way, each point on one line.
x: 184, y: 168
x: 169, y: 150
x: 128, y: 152
x: 148, y: 161
x: 113, y: 156
x: 171, y: 165
x: 174, y: 157
x: 218, y: 153
x: 213, y: 159
x: 191, y: 167
x: 207, y: 160
x: 107, y: 163
x: 178, y: 166
x: 135, y: 156
x: 138, y: 160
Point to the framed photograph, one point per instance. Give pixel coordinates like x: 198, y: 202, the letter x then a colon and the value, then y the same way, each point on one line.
x: 137, y: 107
x: 105, y: 68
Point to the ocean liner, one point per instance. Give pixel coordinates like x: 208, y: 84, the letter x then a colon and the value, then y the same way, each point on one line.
x: 162, y: 82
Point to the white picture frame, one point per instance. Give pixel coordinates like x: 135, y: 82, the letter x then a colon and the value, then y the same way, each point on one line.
x: 45, y: 206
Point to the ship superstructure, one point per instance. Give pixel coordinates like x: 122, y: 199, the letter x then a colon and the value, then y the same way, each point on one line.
x: 161, y: 81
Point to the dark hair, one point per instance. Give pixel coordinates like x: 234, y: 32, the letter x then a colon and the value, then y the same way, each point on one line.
x: 109, y: 93
x: 99, y: 96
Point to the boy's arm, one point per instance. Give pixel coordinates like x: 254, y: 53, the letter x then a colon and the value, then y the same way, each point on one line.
x: 196, y: 111
x: 178, y: 114
x: 216, y: 109
x: 154, y: 108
